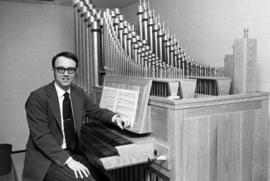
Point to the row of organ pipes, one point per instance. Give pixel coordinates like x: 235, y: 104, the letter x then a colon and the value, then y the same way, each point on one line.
x: 108, y: 44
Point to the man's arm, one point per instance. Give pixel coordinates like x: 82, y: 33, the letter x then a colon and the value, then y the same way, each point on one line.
x: 93, y: 111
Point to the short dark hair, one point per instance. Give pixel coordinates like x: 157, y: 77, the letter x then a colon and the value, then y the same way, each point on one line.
x: 67, y: 55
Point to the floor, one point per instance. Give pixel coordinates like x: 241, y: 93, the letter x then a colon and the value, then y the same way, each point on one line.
x: 9, y: 177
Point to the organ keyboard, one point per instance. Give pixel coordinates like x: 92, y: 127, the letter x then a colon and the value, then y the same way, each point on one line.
x: 112, y: 149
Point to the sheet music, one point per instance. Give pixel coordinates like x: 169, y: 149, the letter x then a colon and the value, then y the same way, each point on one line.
x: 108, y: 98
x: 126, y: 104
x: 121, y: 101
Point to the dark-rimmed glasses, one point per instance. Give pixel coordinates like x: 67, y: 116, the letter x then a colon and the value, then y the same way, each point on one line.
x: 61, y: 70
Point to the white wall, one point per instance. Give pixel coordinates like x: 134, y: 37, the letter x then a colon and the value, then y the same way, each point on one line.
x: 208, y: 28
x: 30, y: 34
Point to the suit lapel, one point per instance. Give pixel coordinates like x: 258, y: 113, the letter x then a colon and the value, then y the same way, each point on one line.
x: 54, y: 103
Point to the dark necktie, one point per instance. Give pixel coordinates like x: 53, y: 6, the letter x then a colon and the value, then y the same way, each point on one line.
x: 70, y: 135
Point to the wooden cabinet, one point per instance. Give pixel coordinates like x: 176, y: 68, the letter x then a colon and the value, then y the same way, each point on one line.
x: 213, y: 138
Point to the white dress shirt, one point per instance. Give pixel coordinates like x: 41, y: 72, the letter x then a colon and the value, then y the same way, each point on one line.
x: 60, y: 94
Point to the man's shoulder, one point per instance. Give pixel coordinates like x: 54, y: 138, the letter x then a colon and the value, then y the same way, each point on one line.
x: 79, y: 92
x: 43, y: 89
x: 39, y: 94
x: 74, y: 87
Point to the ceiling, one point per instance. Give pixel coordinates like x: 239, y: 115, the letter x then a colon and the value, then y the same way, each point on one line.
x: 97, y: 3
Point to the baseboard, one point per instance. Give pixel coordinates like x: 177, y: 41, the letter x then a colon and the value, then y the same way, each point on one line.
x: 17, y: 151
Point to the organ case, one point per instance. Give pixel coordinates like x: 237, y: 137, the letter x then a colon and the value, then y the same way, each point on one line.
x: 201, y: 135
x: 202, y: 138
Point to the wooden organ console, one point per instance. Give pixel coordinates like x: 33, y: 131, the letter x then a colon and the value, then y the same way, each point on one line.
x: 187, y: 126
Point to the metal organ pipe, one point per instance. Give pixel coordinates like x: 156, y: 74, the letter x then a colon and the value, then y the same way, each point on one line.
x: 96, y: 51
x: 107, y: 44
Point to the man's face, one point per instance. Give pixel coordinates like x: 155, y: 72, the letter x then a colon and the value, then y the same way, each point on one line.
x: 64, y: 72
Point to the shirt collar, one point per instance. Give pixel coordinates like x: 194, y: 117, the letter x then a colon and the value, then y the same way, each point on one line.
x: 60, y: 92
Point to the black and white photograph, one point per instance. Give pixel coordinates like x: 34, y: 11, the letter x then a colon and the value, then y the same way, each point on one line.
x: 134, y: 90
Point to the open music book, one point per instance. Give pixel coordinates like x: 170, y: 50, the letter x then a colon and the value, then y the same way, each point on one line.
x: 121, y: 101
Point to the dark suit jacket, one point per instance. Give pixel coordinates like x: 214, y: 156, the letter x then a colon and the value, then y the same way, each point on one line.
x: 45, y: 138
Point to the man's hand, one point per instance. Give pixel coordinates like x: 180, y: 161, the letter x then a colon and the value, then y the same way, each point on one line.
x: 120, y: 122
x: 78, y: 169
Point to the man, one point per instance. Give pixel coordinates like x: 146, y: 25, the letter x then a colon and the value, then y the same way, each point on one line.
x: 54, y: 115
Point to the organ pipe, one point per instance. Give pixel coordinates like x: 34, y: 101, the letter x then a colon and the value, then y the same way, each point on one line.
x: 107, y: 44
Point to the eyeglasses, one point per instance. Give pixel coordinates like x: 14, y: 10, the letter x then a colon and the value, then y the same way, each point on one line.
x: 61, y: 70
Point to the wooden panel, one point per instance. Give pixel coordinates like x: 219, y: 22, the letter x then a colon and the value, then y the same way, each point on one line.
x: 261, y: 144
x: 131, y: 154
x: 223, y: 109
x: 247, y: 141
x: 162, y: 149
x: 245, y: 55
x: 187, y: 87
x: 229, y: 69
x: 197, y: 150
x: 159, y: 124
x: 175, y: 132
x: 239, y: 66
x: 213, y: 135
x: 228, y: 66
x: 228, y: 147
x: 189, y: 152
x: 223, y: 86
x: 203, y: 149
